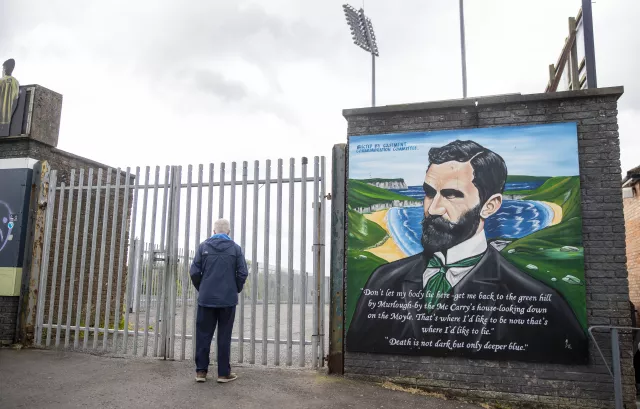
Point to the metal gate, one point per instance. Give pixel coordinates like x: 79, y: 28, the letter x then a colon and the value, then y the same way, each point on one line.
x: 118, y: 246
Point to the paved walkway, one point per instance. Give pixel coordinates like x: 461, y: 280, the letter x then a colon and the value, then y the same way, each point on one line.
x: 49, y: 379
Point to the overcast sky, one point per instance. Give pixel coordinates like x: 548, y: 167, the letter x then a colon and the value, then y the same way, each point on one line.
x: 151, y: 82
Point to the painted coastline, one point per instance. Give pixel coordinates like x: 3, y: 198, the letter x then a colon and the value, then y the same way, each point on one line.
x: 394, y: 248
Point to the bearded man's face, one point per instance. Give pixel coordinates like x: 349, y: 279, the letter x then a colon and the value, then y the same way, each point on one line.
x: 451, y: 206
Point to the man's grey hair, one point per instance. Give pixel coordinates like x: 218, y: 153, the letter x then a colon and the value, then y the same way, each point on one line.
x: 222, y: 226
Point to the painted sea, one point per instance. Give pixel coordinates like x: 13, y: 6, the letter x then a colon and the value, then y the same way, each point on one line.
x: 516, y: 219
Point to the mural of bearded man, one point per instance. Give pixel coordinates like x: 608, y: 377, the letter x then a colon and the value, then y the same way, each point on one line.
x: 463, y: 186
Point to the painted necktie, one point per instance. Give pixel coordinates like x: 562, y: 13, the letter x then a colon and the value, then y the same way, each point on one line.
x: 438, y: 283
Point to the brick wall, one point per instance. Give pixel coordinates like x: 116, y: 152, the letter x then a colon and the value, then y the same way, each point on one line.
x: 63, y: 162
x: 607, y: 292
x: 8, y: 316
x: 632, y: 224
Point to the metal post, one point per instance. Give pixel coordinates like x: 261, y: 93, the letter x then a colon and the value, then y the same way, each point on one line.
x: 303, y: 260
x: 589, y: 46
x: 336, y: 317
x: 46, y: 249
x: 290, y: 249
x: 615, y: 363
x: 373, y: 79
x: 463, y: 51
x: 315, y: 293
x: 254, y: 263
x: 278, y: 262
x: 265, y: 295
x: 76, y: 232
x: 243, y: 242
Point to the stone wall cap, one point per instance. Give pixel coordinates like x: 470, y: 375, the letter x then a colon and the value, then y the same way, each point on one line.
x: 485, y: 101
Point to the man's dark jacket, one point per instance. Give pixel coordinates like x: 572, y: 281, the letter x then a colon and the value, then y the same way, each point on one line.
x: 561, y: 340
x: 218, y: 272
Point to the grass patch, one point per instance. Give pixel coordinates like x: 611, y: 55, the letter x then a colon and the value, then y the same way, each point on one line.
x: 361, y: 194
x: 360, y: 265
x: 563, y: 191
x: 363, y: 233
x: 525, y: 178
x: 542, y: 249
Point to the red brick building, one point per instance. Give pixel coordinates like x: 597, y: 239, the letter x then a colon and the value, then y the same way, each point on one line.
x: 631, y: 201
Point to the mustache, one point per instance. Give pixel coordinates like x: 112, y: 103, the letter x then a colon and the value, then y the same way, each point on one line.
x: 438, y: 223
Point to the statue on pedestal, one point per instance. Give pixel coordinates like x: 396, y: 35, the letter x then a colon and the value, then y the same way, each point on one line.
x: 9, y: 90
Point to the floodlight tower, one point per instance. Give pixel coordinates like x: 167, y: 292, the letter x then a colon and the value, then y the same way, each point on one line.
x: 365, y: 38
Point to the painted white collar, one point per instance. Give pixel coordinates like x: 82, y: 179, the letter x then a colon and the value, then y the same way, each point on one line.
x: 469, y: 248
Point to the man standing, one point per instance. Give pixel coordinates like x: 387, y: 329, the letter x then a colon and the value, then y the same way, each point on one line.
x: 218, y: 273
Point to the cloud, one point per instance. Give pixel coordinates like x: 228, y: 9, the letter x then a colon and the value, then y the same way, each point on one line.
x: 215, y: 84
x: 274, y: 76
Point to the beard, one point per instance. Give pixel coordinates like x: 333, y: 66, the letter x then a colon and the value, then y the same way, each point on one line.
x: 439, y: 234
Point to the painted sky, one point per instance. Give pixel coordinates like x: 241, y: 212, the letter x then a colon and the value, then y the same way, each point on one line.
x: 536, y: 150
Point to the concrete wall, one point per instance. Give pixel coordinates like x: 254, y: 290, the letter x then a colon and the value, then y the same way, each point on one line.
x: 63, y: 162
x: 525, y: 384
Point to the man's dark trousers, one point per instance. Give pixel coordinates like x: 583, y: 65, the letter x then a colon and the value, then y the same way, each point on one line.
x: 206, y: 323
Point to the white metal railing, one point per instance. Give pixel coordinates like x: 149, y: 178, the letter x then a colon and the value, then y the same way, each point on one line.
x: 97, y: 292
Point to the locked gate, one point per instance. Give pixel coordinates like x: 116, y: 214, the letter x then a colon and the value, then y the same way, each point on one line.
x: 118, y: 246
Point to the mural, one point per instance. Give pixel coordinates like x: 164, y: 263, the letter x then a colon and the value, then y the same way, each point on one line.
x: 14, y: 203
x: 467, y: 243
x: 9, y: 90
x: 7, y: 221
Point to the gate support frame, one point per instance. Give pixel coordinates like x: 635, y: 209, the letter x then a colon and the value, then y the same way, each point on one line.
x: 34, y: 246
x: 337, y: 274
x: 167, y: 346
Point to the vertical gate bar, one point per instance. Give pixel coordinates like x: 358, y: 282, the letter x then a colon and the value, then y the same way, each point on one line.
x: 197, y: 243
x: 185, y: 273
x: 152, y: 249
x: 131, y: 266
x: 232, y: 204
x: 105, y: 219
x: 265, y: 295
x: 55, y: 265
x: 168, y: 259
x: 323, y: 225
x: 303, y: 259
x: 74, y: 254
x: 174, y: 276
x: 232, y: 215
x: 254, y: 262
x: 315, y: 294
x: 220, y: 215
x: 65, y: 253
x: 615, y: 366
x: 83, y: 255
x: 123, y: 231
x: 46, y: 250
x: 221, y: 192
x: 278, y: 261
x: 94, y: 244
x: 164, y: 208
x: 161, y: 271
x: 140, y: 264
x: 112, y: 250
x: 243, y: 242
x: 290, y: 262
x: 210, y: 204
